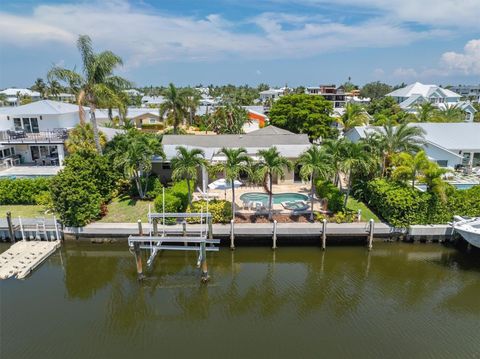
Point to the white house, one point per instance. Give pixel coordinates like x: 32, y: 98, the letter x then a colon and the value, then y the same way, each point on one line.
x: 13, y: 95
x: 272, y: 94
x: 410, y: 96
x: 448, y: 144
x: 35, y: 133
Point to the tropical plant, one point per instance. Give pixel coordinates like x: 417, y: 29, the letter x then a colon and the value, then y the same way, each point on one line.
x: 54, y: 88
x: 375, y: 90
x: 3, y: 99
x: 132, y: 153
x: 174, y: 107
x: 236, y: 162
x: 452, y: 113
x: 354, y: 159
x: 354, y: 115
x: 315, y: 163
x: 96, y: 83
x: 185, y: 165
x: 333, y: 149
x: 228, y: 119
x: 426, y: 111
x: 81, y: 138
x: 433, y: 178
x: 272, y: 164
x: 41, y: 87
x: 408, y: 167
x: 401, y: 138
x: 191, y: 98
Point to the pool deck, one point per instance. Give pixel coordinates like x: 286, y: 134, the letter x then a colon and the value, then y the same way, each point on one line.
x: 30, y: 171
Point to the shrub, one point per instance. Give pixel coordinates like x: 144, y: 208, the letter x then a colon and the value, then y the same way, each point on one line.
x: 180, y: 190
x: 221, y: 210
x: 173, y: 204
x: 327, y: 190
x: 345, y: 217
x: 154, y: 188
x: 22, y: 190
x: 44, y: 199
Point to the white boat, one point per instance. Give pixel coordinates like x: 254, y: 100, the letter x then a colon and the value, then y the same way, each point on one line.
x: 468, y: 228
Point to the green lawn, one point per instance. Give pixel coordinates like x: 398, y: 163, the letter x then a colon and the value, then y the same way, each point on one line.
x: 30, y: 211
x: 124, y: 209
x: 367, y: 214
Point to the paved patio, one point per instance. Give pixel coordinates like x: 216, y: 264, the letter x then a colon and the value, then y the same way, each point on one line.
x: 29, y: 171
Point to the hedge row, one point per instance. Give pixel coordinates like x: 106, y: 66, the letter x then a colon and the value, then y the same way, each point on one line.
x: 176, y: 198
x: 23, y: 190
x: 401, y: 205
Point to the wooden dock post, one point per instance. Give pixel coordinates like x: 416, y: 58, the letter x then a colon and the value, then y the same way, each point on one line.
x: 155, y: 227
x: 140, y: 229
x: 204, y: 265
x: 370, y: 234
x: 324, y: 234
x: 138, y: 260
x: 210, y: 227
x: 232, y: 235
x: 11, y: 233
x: 274, y: 236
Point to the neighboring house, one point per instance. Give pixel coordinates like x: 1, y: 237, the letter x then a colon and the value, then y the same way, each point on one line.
x: 330, y: 92
x: 14, y: 95
x: 133, y: 92
x: 272, y: 94
x: 468, y: 92
x: 288, y: 144
x: 152, y: 101
x: 448, y: 144
x: 409, y: 97
x: 35, y: 133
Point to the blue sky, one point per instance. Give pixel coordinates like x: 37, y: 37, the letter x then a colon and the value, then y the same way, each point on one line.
x: 295, y: 42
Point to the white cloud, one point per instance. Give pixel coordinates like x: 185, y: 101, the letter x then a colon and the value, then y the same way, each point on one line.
x: 150, y: 37
x: 378, y: 73
x: 405, y: 73
x: 467, y: 62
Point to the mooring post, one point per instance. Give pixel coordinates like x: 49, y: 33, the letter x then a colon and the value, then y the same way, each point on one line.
x: 370, y: 235
x: 204, y: 266
x: 324, y: 234
x: 210, y: 227
x: 138, y: 260
x: 11, y: 233
x: 140, y: 229
x: 155, y: 227
x: 232, y: 235
x: 274, y: 237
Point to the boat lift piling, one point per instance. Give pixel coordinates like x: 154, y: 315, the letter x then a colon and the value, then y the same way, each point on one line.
x: 324, y: 234
x: 371, y: 229
x: 274, y: 235
x: 11, y: 232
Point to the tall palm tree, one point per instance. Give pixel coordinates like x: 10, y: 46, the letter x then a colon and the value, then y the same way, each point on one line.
x: 54, y: 88
x: 97, y: 80
x: 408, y: 167
x: 314, y: 162
x: 333, y: 150
x: 3, y: 99
x: 272, y: 163
x: 237, y: 162
x: 81, y: 138
x: 401, y: 138
x: 40, y: 86
x: 451, y: 113
x: 354, y: 159
x: 192, y: 99
x: 174, y: 105
x: 355, y: 115
x: 185, y: 165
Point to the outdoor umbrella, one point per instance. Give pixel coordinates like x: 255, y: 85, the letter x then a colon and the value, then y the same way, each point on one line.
x: 224, y: 184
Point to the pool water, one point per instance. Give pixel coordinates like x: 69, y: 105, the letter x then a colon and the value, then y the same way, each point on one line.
x: 459, y: 186
x: 277, y: 198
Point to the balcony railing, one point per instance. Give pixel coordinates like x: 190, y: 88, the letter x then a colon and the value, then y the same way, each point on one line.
x: 21, y: 136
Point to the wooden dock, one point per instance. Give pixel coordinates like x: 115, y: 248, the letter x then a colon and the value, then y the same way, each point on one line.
x: 24, y: 256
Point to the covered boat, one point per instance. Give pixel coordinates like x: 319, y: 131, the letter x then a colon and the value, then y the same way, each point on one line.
x: 469, y: 229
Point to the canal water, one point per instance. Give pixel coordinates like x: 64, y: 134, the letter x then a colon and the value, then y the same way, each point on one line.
x: 398, y: 301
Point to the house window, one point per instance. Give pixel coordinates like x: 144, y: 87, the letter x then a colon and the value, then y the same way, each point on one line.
x: 166, y: 166
x: 442, y: 163
x: 30, y: 125
x: 152, y: 120
x: 17, y: 123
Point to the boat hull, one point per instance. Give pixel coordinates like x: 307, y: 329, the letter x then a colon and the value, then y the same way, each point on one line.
x: 472, y: 238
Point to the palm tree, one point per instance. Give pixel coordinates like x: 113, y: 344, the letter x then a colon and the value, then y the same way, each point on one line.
x: 408, y: 167
x: 425, y: 111
x: 96, y: 82
x: 192, y: 99
x: 315, y: 162
x: 272, y: 163
x: 174, y: 105
x: 432, y: 177
x: 354, y: 159
x: 81, y: 138
x: 185, y: 165
x: 237, y: 162
x: 401, y: 138
x: 229, y: 119
x: 333, y: 148
x: 40, y: 86
x: 54, y: 88
x: 3, y: 99
x: 451, y: 113
x: 355, y: 115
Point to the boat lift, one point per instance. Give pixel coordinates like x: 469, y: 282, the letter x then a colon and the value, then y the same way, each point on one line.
x: 173, y: 238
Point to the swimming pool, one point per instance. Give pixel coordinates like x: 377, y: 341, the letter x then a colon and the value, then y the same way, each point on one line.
x: 460, y: 186
x: 277, y: 198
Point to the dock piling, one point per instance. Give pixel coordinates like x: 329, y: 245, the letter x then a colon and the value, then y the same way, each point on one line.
x: 274, y: 236
x: 210, y: 226
x: 138, y: 260
x: 140, y: 230
x: 11, y: 233
x: 232, y: 235
x: 324, y: 234
x: 204, y: 265
x: 370, y: 234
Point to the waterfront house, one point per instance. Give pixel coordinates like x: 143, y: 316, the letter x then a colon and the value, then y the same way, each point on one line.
x: 35, y: 133
x: 449, y: 144
x: 409, y: 97
x: 468, y: 92
x: 272, y: 94
x: 14, y: 95
x: 331, y: 93
x: 289, y: 145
